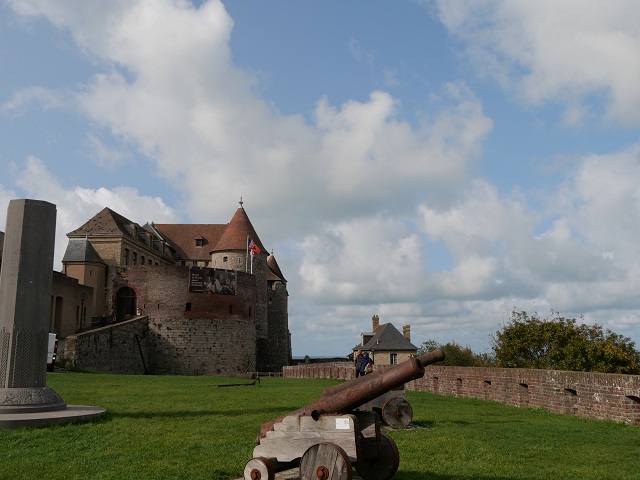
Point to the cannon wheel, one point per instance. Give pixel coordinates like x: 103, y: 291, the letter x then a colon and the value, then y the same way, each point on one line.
x: 397, y: 413
x: 325, y: 461
x: 259, y: 468
x: 385, y: 466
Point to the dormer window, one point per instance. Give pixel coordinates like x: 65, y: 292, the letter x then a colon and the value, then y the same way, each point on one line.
x: 199, y: 241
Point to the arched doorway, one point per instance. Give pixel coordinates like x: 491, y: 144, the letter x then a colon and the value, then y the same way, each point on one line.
x: 125, y: 302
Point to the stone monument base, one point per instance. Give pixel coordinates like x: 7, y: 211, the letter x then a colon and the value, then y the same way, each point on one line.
x: 38, y: 407
x: 71, y: 414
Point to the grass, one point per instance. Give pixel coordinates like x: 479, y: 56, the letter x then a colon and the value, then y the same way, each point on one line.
x: 169, y: 427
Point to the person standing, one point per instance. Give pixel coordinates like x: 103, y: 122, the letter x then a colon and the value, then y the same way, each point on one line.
x: 358, y: 362
x: 365, y: 361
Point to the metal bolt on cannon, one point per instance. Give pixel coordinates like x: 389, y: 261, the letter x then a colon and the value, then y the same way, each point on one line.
x: 331, y: 436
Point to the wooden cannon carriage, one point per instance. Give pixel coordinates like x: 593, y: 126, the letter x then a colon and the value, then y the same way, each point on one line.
x: 331, y: 435
x: 392, y: 408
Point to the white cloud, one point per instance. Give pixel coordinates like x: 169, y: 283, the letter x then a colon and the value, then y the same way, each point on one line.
x: 31, y: 97
x: 546, y: 51
x: 366, y: 260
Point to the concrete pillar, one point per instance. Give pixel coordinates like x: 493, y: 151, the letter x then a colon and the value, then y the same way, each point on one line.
x: 25, y: 293
x: 26, y: 278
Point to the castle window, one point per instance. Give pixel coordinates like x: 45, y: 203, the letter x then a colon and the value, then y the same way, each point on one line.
x: 224, y: 259
x: 393, y: 359
x: 142, y: 260
x: 126, y: 257
x: 187, y: 307
x: 135, y: 258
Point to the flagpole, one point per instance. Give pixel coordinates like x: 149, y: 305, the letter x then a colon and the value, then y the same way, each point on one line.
x: 246, y: 255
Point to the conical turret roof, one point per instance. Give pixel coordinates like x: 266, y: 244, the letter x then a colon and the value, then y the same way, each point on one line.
x: 275, y: 268
x: 236, y: 233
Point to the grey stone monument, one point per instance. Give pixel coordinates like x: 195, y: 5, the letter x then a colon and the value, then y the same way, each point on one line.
x: 25, y: 306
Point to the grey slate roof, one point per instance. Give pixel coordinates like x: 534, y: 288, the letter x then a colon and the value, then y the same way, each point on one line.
x: 81, y: 250
x: 386, y: 337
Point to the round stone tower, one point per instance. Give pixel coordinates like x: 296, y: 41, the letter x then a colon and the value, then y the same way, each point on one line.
x: 232, y: 252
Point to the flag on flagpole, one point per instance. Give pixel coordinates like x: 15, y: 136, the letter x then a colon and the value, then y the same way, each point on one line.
x: 253, y: 248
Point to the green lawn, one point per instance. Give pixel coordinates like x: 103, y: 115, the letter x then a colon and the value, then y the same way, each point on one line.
x: 166, y: 427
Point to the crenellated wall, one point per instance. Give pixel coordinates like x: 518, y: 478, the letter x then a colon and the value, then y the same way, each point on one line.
x: 591, y: 395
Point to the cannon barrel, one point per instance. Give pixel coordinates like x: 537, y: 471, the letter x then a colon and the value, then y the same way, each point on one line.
x: 434, y: 356
x: 358, y: 391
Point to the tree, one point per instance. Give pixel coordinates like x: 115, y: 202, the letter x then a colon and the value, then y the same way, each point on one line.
x: 558, y: 343
x: 456, y: 355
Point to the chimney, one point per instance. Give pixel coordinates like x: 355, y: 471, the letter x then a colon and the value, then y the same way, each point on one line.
x: 375, y: 321
x: 406, y: 331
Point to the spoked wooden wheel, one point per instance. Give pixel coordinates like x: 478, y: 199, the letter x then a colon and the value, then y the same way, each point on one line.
x: 259, y: 468
x: 385, y: 466
x: 397, y: 413
x: 325, y: 461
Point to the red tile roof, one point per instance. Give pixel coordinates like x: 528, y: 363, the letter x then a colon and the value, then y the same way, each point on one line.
x: 236, y: 233
x: 183, y: 237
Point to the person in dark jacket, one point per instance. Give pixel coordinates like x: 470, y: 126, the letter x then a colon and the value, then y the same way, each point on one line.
x: 358, y: 362
x: 365, y: 361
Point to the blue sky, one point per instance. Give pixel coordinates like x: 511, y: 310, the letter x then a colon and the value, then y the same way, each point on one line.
x: 438, y: 163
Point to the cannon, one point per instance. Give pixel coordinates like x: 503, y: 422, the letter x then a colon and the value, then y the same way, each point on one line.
x: 329, y: 437
x: 392, y: 407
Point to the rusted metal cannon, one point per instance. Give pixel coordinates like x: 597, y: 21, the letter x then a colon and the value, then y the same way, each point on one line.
x: 392, y: 407
x: 330, y: 436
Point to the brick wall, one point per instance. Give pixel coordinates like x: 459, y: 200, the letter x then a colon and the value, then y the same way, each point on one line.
x: 162, y: 293
x: 590, y: 395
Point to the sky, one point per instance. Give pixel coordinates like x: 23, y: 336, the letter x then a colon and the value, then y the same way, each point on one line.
x: 437, y: 163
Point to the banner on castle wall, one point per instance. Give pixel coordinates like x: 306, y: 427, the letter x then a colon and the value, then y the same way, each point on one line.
x: 212, y: 280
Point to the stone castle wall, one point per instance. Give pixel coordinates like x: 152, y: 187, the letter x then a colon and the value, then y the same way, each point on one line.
x: 279, y: 347
x: 181, y: 346
x: 111, y: 349
x: 187, y: 346
x: 183, y: 333
x: 590, y: 395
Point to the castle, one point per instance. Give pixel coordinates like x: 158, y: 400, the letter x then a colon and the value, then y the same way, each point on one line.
x: 212, y: 299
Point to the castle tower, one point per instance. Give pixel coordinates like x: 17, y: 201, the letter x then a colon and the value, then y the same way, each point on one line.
x: 82, y: 262
x: 278, y: 317
x: 231, y: 252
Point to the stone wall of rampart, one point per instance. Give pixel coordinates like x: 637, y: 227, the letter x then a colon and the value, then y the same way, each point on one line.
x: 589, y: 395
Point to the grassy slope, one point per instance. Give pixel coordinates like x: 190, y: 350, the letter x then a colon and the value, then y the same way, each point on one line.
x: 186, y: 427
